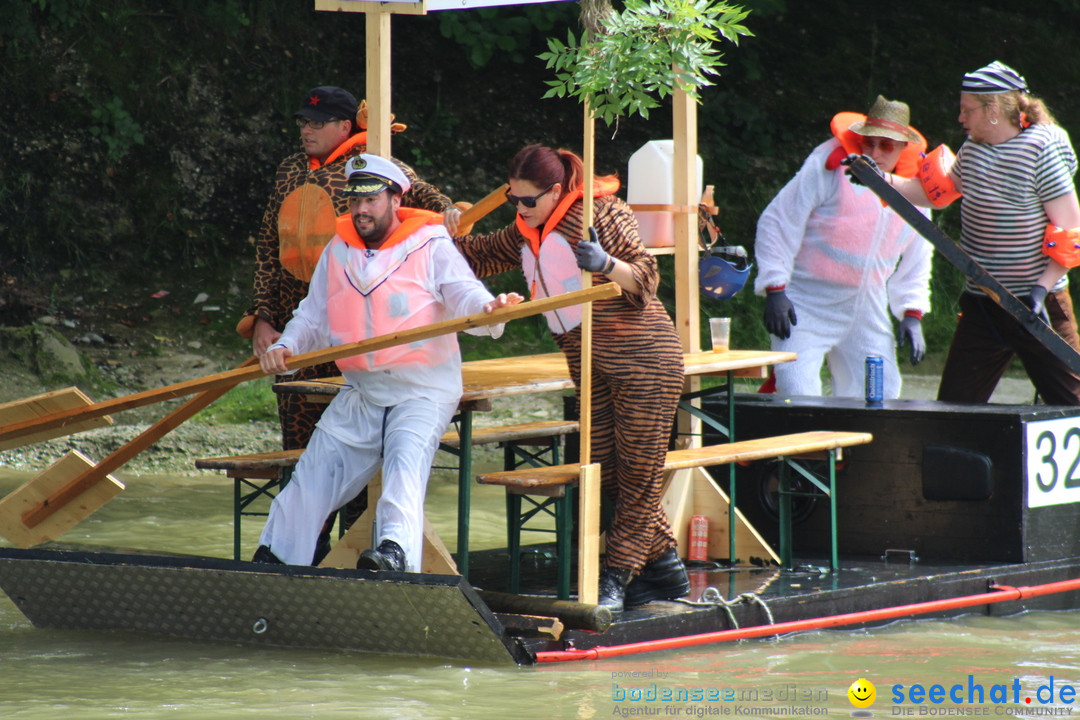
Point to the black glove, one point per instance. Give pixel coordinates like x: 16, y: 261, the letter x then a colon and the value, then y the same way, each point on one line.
x: 1036, y: 300
x: 911, y: 330
x: 779, y: 314
x: 590, y: 256
x: 869, y: 161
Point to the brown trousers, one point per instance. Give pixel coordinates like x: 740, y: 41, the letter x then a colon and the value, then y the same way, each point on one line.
x: 985, y: 342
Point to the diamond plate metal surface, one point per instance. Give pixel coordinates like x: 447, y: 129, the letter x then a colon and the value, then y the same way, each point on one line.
x: 210, y: 599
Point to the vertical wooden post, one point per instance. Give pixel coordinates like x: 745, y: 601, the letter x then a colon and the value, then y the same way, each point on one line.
x: 679, y: 489
x: 684, y: 121
x: 378, y: 82
x: 589, y: 481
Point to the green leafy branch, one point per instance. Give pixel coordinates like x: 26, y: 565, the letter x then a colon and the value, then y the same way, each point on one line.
x: 642, y: 54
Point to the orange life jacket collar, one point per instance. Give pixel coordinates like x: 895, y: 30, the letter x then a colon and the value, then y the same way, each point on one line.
x: 412, y: 219
x: 601, y: 188
x: 850, y: 144
x: 350, y: 142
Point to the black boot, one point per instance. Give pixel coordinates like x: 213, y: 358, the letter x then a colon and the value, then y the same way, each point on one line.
x: 613, y: 582
x: 263, y: 555
x: 389, y: 556
x: 663, y: 579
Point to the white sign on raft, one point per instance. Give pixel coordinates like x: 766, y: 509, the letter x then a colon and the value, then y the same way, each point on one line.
x: 1052, y: 452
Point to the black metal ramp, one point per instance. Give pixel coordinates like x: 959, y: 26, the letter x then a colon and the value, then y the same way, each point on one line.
x: 224, y: 600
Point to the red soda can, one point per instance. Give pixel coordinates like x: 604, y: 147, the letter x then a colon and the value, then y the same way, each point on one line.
x: 699, y: 538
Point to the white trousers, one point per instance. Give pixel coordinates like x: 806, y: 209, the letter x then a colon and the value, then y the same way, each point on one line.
x: 841, y: 327
x: 351, y: 442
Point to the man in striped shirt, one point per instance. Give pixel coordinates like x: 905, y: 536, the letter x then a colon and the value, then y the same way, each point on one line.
x: 1015, y: 172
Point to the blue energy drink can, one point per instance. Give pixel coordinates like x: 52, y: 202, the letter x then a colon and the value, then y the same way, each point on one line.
x: 875, y: 380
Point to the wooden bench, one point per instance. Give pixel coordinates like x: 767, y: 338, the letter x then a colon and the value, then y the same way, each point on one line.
x: 552, y: 481
x: 265, y: 474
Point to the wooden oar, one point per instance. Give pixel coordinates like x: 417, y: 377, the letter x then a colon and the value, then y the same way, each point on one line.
x: 55, y: 500
x: 239, y: 375
x: 25, y: 509
x: 477, y: 212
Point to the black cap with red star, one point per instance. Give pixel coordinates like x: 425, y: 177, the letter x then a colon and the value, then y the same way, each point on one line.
x: 326, y: 103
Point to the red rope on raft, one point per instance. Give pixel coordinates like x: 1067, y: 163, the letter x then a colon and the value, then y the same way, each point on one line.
x: 999, y: 593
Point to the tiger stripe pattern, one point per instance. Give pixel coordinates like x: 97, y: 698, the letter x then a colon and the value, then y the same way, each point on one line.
x: 637, y: 376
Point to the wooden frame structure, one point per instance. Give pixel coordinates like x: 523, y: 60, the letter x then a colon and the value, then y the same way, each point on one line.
x: 686, y: 488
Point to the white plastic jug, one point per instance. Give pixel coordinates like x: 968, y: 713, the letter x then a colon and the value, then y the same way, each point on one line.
x: 652, y: 182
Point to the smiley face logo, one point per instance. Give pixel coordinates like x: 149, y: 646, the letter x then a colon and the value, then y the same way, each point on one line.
x: 862, y: 693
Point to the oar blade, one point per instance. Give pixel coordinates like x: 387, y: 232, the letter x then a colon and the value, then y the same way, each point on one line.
x: 45, y: 404
x: 40, y: 487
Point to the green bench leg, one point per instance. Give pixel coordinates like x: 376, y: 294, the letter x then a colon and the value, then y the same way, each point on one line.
x: 784, y: 501
x: 513, y: 539
x: 564, y: 527
x: 236, y: 518
x: 561, y: 508
x: 834, y: 557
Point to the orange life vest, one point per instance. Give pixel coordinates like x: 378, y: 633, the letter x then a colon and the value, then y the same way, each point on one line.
x: 306, y: 220
x: 548, y: 261
x: 379, y: 292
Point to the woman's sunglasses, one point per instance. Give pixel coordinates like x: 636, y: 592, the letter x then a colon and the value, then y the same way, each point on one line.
x: 527, y: 201
x: 885, y: 145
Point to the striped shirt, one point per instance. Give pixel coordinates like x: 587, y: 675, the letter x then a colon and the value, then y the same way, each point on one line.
x: 1005, y: 186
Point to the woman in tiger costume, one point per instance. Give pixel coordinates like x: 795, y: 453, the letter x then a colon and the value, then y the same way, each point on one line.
x: 637, y: 371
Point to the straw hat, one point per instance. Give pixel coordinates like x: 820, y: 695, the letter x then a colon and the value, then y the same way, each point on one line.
x: 887, y: 119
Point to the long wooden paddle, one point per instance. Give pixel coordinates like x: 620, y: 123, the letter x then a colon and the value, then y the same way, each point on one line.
x: 57, y: 499
x: 239, y: 375
x: 473, y: 215
x: 25, y: 509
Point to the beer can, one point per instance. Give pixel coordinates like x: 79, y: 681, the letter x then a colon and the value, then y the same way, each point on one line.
x: 699, y: 538
x: 875, y: 380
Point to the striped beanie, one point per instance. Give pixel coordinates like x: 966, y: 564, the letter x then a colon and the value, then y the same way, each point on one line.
x: 997, y: 77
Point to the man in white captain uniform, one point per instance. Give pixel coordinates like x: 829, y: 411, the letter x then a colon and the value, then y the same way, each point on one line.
x: 388, y: 269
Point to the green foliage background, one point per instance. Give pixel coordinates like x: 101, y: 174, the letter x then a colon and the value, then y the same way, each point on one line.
x: 140, y: 138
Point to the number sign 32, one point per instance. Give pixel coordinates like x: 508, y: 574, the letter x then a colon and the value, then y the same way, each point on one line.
x: 1053, y: 462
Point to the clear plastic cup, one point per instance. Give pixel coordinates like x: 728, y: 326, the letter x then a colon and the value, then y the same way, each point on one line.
x: 720, y: 328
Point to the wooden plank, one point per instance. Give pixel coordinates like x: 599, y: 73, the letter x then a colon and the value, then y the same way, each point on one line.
x: 238, y: 375
x: 677, y: 499
x: 45, y: 404
x: 511, y: 433
x: 359, y: 6
x: 533, y: 477
x: 436, y: 558
x: 118, y: 458
x: 589, y: 534
x: 684, y: 133
x: 377, y: 34
x: 40, y: 487
x: 764, y: 448
x: 585, y: 361
x: 531, y: 625
x: 741, y: 451
x: 254, y: 462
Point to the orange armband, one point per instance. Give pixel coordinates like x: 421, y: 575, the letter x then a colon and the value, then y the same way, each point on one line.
x: 934, y: 175
x: 1062, y: 245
